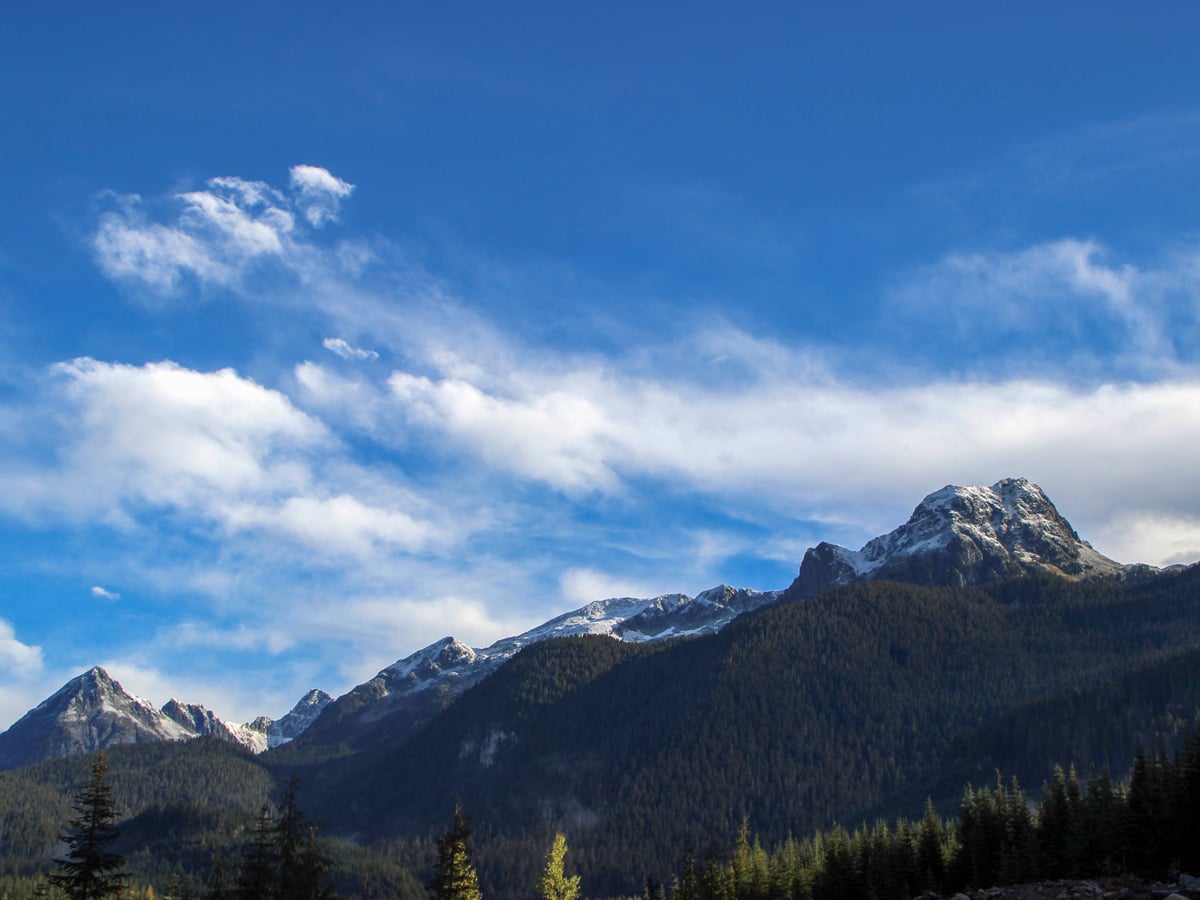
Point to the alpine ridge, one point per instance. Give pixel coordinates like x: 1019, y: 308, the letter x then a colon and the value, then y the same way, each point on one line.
x: 956, y: 536
x: 962, y: 536
x: 93, y: 712
x: 408, y: 692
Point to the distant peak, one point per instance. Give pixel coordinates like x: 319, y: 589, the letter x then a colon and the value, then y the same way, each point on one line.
x: 963, y: 534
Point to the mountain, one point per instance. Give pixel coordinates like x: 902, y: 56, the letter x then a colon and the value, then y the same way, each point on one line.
x: 792, y: 711
x: 960, y: 536
x: 399, y: 698
x: 199, y: 720
x: 93, y: 712
x: 88, y: 713
x: 297, y: 721
x: 836, y: 708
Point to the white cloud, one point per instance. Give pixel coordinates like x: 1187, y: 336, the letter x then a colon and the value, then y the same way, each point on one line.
x: 104, y: 594
x: 1066, y: 296
x: 561, y: 437
x: 341, y: 524
x: 17, y: 659
x: 218, y: 448
x: 345, y: 351
x: 172, y: 435
x: 319, y: 193
x: 821, y: 448
x: 216, y: 236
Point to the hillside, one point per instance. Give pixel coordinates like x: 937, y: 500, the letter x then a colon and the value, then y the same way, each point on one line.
x: 797, y: 716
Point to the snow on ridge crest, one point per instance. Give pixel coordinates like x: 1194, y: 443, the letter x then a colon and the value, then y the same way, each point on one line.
x: 449, y: 661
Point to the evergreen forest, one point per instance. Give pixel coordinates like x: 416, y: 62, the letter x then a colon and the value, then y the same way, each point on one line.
x: 816, y: 748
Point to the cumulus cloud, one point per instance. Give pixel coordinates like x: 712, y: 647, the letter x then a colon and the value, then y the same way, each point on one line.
x: 345, y: 351
x: 104, y: 594
x: 214, y: 446
x: 172, y: 435
x: 17, y: 659
x: 561, y: 437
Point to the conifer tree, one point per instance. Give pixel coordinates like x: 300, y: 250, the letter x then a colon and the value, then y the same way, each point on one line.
x: 256, y: 877
x: 90, y: 870
x: 455, y: 878
x: 217, y: 887
x: 303, y: 868
x: 931, y: 862
x: 554, y: 883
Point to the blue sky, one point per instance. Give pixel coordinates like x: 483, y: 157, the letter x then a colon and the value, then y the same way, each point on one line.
x: 328, y: 331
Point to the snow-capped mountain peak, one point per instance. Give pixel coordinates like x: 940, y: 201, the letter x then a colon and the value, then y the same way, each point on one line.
x: 963, y: 535
x: 297, y: 720
x: 93, y: 712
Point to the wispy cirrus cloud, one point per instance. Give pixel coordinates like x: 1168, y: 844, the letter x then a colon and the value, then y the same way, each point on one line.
x: 218, y: 235
x: 345, y: 351
x: 1062, y: 302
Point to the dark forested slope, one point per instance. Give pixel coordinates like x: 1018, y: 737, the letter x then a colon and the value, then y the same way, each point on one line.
x: 798, y: 716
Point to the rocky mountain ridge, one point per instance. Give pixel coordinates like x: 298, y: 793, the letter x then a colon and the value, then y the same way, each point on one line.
x: 409, y: 691
x: 93, y: 712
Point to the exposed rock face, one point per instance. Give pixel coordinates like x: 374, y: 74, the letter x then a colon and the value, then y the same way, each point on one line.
x: 93, y: 712
x: 301, y: 716
x: 90, y: 712
x: 959, y: 536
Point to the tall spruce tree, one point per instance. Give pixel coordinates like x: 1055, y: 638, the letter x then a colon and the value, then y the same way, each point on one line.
x: 258, y: 873
x: 90, y: 870
x: 303, y: 868
x: 456, y: 878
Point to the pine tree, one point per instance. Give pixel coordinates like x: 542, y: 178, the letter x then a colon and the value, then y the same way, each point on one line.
x: 554, y: 884
x: 456, y: 878
x: 90, y: 870
x: 931, y: 861
x: 303, y: 868
x: 257, y: 875
x: 217, y: 887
